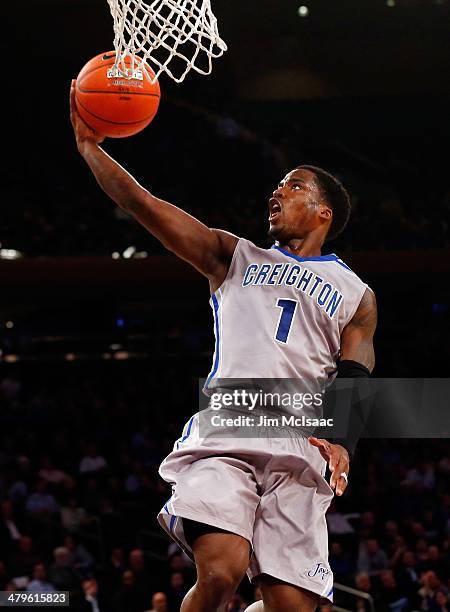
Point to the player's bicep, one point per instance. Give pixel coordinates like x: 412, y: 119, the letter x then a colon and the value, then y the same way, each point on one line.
x: 208, y: 250
x: 357, y: 337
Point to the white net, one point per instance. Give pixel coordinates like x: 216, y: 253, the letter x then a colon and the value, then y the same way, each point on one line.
x: 172, y: 36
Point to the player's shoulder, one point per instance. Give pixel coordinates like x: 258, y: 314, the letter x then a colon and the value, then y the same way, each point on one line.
x: 237, y: 243
x: 345, y: 270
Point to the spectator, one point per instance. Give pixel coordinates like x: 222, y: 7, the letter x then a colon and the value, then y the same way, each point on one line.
x: 363, y: 583
x: 142, y: 578
x: 62, y: 574
x: 92, y: 462
x: 179, y: 562
x: 115, y: 567
x: 371, y: 558
x: 40, y: 584
x: 73, y: 516
x: 159, y: 602
x: 391, y: 596
x: 81, y: 559
x: 177, y: 590
x: 429, y: 589
x: 397, y: 547
x: 366, y: 528
x: 133, y: 481
x: 127, y: 596
x: 23, y: 561
x: 338, y: 523
x: 391, y: 532
x: 92, y: 600
x: 421, y: 551
x: 434, y: 562
x: 52, y: 475
x: 41, y: 503
x: 408, y: 576
x: 442, y: 601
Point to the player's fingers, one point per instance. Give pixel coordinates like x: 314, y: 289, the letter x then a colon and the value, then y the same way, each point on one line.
x: 72, y: 99
x: 342, y: 482
x: 323, y: 446
x: 314, y: 441
x: 319, y: 443
x: 337, y: 480
x: 333, y: 462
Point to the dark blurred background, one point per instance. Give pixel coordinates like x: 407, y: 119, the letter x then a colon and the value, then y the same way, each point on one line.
x: 97, y: 322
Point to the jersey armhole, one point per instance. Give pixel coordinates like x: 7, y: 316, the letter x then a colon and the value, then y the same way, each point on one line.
x: 365, y: 287
x: 231, y: 266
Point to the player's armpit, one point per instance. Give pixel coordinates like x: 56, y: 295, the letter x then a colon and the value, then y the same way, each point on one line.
x: 357, y: 336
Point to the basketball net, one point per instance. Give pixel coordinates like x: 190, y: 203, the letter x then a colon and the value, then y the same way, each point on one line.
x: 172, y: 36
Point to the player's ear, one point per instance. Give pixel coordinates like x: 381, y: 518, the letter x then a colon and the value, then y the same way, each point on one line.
x: 325, y: 212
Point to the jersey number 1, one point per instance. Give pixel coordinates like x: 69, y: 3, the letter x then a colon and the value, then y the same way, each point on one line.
x: 288, y: 308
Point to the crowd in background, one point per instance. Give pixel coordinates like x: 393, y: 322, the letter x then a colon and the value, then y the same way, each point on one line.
x: 79, y: 492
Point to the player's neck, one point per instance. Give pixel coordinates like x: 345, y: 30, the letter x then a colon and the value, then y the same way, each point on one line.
x: 303, y: 247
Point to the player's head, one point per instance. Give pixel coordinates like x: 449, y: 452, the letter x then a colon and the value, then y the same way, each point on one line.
x: 308, y: 199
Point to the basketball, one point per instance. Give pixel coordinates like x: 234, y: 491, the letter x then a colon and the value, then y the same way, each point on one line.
x: 112, y: 104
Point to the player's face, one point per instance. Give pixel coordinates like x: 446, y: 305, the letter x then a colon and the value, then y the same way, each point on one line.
x: 295, y: 206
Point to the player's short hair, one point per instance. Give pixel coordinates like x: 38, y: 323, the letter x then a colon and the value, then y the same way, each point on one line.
x: 336, y: 196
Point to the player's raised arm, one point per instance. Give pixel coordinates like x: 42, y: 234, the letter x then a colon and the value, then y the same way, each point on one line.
x: 208, y: 250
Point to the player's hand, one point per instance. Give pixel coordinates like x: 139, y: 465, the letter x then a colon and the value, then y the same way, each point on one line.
x: 83, y: 133
x: 338, y: 462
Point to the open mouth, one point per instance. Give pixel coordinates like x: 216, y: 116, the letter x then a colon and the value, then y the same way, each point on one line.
x: 274, y: 209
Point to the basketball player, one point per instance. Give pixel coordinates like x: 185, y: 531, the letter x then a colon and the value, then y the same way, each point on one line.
x: 258, y: 506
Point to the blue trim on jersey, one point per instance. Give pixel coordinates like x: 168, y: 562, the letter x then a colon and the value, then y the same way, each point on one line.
x: 173, y: 518
x: 217, y: 334
x: 186, y: 435
x: 188, y: 432
x: 341, y: 263
x: 331, y: 257
x: 330, y: 592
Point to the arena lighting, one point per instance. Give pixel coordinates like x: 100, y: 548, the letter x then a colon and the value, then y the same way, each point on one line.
x: 390, y: 3
x: 303, y: 11
x: 70, y: 356
x: 11, y: 358
x: 115, y: 347
x: 129, y: 252
x: 10, y: 254
x: 9, y: 324
x: 121, y: 355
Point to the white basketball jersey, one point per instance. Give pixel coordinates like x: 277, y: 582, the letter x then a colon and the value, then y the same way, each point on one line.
x: 278, y: 315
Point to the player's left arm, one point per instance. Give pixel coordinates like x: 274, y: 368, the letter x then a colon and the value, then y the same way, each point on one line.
x: 357, y: 355
x: 357, y: 336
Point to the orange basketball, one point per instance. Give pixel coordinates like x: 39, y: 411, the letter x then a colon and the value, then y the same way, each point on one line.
x: 111, y: 104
